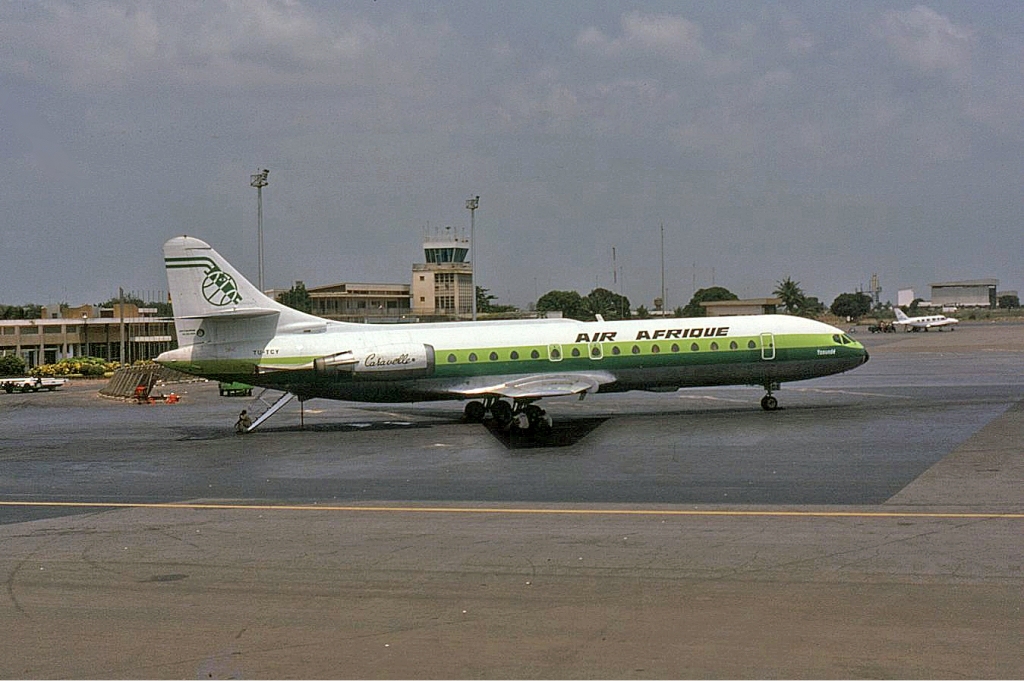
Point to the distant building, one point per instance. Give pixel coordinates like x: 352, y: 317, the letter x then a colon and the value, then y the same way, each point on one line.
x: 973, y: 293
x: 904, y: 297
x: 442, y: 288
x: 443, y: 285
x: 115, y: 311
x: 47, y: 341
x: 360, y: 302
x: 750, y: 306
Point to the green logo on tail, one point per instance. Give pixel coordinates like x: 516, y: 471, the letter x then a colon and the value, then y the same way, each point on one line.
x: 220, y: 289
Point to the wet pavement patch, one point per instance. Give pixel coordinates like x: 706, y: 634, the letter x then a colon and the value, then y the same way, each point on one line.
x: 164, y: 578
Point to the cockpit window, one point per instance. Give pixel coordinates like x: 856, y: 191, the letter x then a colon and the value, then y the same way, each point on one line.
x: 835, y: 338
x: 846, y: 339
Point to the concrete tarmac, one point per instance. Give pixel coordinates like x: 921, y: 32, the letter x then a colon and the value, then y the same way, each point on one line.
x: 870, y: 528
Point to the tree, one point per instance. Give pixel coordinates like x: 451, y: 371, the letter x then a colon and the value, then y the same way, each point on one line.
x: 163, y: 309
x: 706, y: 295
x: 1009, y: 302
x: 12, y: 365
x: 570, y: 303
x: 792, y: 296
x: 297, y: 297
x: 484, y: 304
x: 21, y: 311
x: 609, y: 305
x: 128, y: 300
x: 642, y: 312
x: 812, y: 307
x: 852, y: 305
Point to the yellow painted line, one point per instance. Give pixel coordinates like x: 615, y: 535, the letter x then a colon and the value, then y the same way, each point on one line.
x: 515, y: 511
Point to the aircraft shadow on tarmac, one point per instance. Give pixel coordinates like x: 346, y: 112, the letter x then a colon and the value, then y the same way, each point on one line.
x: 348, y: 427
x: 564, y: 433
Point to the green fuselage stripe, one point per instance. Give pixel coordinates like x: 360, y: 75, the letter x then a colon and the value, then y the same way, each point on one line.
x: 529, y: 359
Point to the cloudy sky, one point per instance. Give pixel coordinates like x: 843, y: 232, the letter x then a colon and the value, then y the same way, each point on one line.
x: 824, y: 141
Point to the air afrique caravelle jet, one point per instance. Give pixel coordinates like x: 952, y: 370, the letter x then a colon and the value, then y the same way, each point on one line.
x: 230, y: 331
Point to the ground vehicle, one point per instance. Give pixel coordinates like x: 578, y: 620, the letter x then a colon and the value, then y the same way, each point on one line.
x: 26, y: 384
x: 234, y: 388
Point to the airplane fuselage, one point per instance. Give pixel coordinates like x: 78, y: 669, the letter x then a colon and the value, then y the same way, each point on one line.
x: 445, y: 361
x: 230, y: 331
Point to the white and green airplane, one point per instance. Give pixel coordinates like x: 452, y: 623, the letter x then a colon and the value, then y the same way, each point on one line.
x: 228, y: 330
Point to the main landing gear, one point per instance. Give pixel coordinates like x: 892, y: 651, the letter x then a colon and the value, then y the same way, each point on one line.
x: 519, y: 415
x: 768, y: 402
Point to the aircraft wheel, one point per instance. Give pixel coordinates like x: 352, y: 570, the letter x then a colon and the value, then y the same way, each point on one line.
x: 538, y: 418
x: 475, y: 411
x: 520, y: 421
x: 769, y: 403
x: 502, y: 412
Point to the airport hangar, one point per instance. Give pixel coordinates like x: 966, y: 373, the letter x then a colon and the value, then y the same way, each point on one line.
x: 971, y: 293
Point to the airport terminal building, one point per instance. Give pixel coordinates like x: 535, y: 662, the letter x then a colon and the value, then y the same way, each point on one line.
x: 47, y: 341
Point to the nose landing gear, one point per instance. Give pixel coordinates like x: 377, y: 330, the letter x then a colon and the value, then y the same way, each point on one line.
x: 768, y: 402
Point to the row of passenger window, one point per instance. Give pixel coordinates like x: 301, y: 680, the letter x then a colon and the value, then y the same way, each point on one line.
x: 596, y: 352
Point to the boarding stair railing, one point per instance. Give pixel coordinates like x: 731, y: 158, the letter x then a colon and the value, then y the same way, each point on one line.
x: 264, y: 405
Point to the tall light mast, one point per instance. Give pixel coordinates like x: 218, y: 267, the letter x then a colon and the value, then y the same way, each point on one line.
x: 259, y: 180
x: 472, y: 205
x: 664, y: 303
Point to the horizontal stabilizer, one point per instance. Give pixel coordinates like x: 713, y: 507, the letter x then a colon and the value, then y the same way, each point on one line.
x: 235, y: 313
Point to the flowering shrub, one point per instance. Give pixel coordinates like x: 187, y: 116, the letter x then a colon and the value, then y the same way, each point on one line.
x: 76, y: 366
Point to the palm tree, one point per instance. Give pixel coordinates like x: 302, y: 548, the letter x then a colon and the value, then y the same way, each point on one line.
x: 792, y: 296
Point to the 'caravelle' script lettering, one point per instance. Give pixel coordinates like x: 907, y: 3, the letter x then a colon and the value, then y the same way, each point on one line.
x: 375, y: 360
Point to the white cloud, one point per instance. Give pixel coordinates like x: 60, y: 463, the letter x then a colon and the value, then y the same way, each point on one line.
x: 664, y: 35
x: 378, y: 117
x: 927, y: 40
x: 229, y: 44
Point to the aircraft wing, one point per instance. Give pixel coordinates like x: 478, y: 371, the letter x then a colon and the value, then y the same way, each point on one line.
x: 540, y: 385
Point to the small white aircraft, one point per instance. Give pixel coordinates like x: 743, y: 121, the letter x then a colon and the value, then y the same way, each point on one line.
x: 928, y: 322
x: 228, y: 330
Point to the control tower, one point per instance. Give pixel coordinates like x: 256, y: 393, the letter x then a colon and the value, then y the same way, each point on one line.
x: 443, y: 285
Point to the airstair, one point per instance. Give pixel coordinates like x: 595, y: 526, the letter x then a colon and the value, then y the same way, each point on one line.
x: 262, y: 407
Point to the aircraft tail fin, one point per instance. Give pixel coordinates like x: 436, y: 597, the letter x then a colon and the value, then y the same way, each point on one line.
x: 204, y: 286
x: 901, y: 316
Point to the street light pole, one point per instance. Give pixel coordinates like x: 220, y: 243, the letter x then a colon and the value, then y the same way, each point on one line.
x: 85, y: 331
x: 259, y: 180
x: 472, y: 205
x: 664, y: 303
